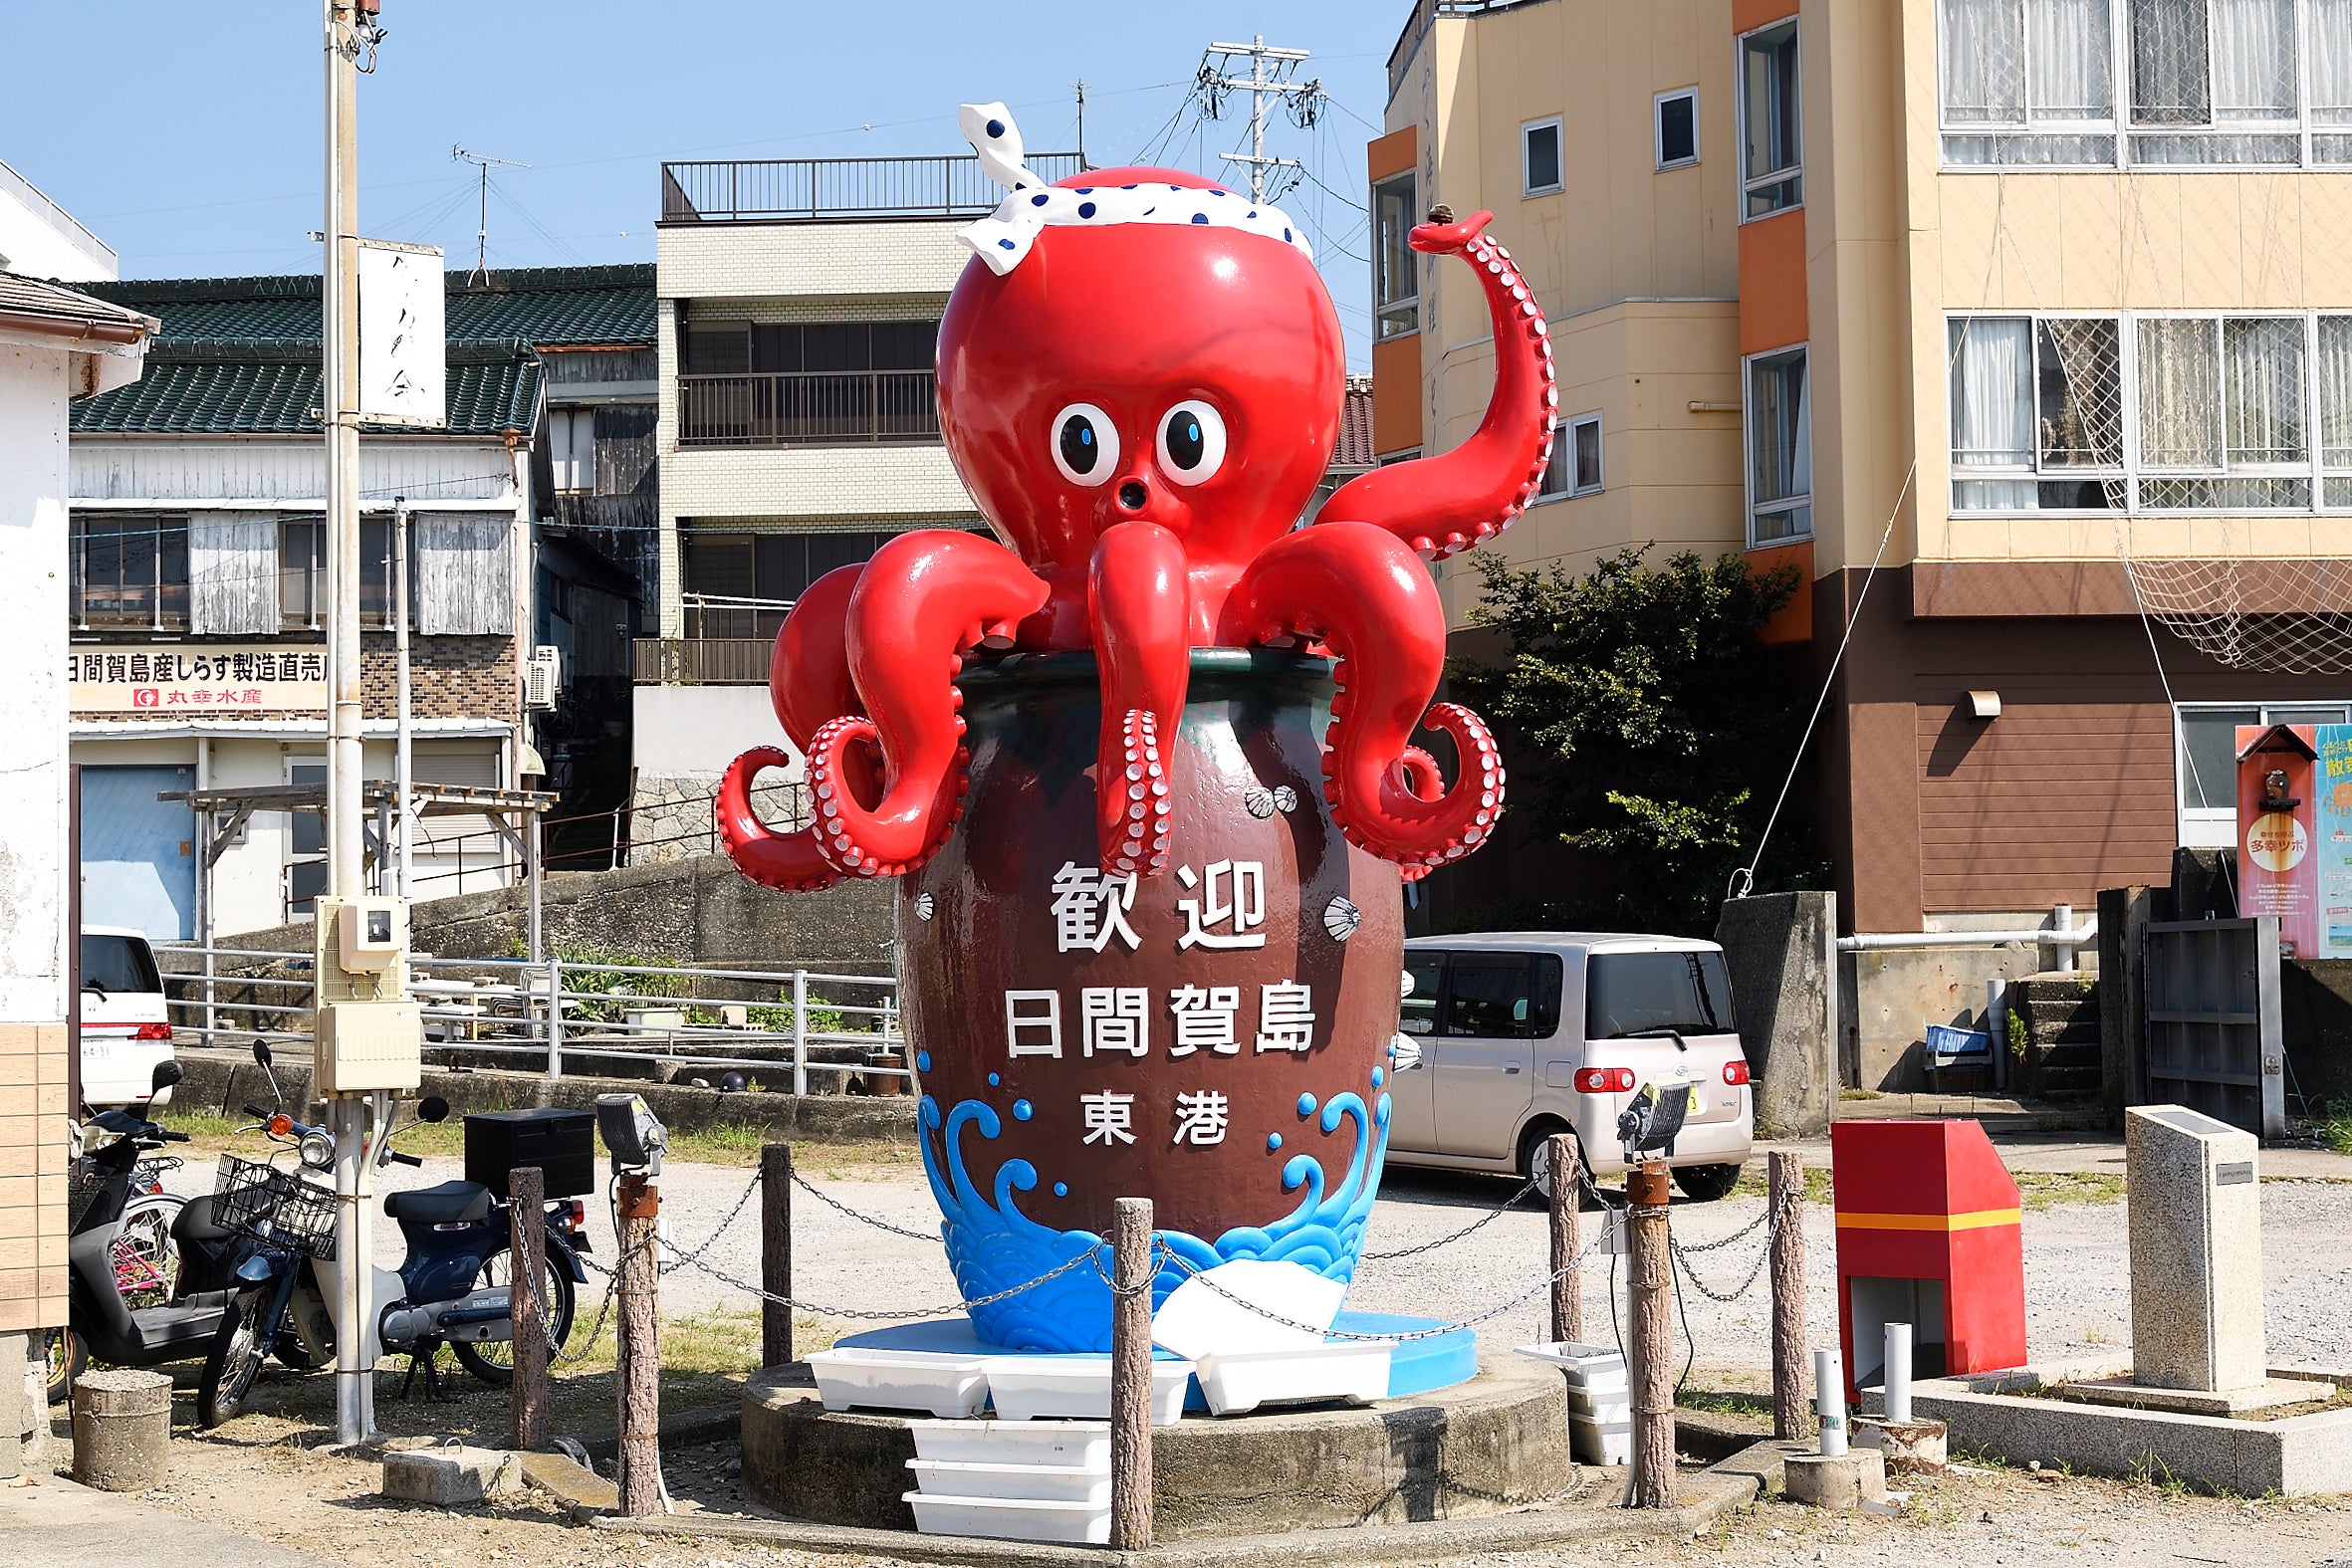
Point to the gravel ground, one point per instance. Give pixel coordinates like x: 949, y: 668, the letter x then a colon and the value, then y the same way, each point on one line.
x: 2077, y: 1272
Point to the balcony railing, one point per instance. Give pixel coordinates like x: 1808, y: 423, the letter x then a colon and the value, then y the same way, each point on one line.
x: 703, y: 661
x: 782, y: 190
x: 808, y: 409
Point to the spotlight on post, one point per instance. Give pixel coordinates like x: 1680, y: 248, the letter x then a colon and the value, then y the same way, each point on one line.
x: 633, y: 1135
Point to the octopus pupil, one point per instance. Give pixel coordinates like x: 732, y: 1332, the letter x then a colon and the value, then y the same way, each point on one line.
x: 1077, y: 443
x: 1184, y: 441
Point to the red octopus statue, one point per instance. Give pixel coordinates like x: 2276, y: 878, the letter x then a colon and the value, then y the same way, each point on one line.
x: 1141, y: 376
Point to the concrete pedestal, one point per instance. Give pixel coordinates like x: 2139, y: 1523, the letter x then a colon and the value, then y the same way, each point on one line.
x: 1843, y: 1481
x: 1910, y: 1447
x: 2197, y: 1252
x: 447, y: 1477
x: 121, y: 1429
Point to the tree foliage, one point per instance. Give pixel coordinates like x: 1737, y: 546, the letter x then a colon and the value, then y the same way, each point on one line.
x: 1649, y: 728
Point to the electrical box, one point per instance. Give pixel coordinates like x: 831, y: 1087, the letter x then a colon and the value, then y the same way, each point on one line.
x: 369, y: 1046
x: 561, y: 1143
x: 369, y: 1032
x: 372, y: 934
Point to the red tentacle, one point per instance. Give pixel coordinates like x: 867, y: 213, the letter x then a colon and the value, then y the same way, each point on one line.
x: 1137, y: 596
x: 1449, y: 503
x: 787, y: 862
x: 1359, y: 590
x: 808, y: 672
x: 924, y: 598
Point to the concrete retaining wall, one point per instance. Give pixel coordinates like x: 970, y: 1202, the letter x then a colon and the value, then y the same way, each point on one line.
x: 1782, y: 950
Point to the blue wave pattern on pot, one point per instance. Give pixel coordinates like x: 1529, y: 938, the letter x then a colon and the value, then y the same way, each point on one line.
x: 992, y: 1246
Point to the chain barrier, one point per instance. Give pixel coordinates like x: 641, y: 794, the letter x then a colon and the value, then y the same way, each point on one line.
x: 968, y: 1305
x: 881, y: 1225
x: 1447, y: 1241
x: 1770, y: 1220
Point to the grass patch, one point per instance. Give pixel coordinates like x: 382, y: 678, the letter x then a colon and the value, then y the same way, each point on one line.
x: 1859, y: 1094
x: 1728, y: 1402
x: 2335, y: 1130
x: 730, y: 1143
x: 1755, y: 1182
x: 2041, y: 1190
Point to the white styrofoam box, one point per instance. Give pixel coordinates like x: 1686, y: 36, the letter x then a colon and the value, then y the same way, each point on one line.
x: 1352, y: 1370
x: 1616, y: 1406
x: 1025, y: 1388
x: 1016, y: 1482
x: 1006, y: 1519
x: 1196, y: 1321
x: 924, y: 1379
x: 1076, y: 1445
x: 1599, y: 1369
x: 1602, y: 1442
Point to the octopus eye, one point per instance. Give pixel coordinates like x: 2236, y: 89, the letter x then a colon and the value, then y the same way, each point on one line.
x: 1192, y: 442
x: 1086, y: 444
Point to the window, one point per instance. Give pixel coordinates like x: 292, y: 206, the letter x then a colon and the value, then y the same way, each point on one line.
x: 2026, y: 83
x: 1396, y: 297
x: 130, y: 571
x: 818, y: 383
x: 1541, y: 157
x: 572, y: 450
x: 1502, y: 996
x: 306, y: 844
x: 2225, y: 413
x: 1628, y: 995
x: 1418, y: 1013
x: 741, y: 585
x: 304, y: 590
x: 1771, y: 133
x: 1779, y: 448
x: 1677, y: 128
x: 1575, y: 468
x: 2206, y: 761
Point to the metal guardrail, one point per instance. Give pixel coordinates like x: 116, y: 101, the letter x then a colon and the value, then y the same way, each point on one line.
x: 774, y: 190
x: 808, y: 409
x: 654, y: 1016
x: 702, y: 661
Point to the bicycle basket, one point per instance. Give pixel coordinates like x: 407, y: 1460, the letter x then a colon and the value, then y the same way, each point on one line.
x: 84, y: 1179
x: 273, y: 1206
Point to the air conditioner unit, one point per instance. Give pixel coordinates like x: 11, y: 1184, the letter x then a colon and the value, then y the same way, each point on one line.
x: 543, y: 677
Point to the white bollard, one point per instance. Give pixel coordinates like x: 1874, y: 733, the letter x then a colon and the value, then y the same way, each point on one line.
x: 1898, y: 1371
x: 1829, y: 1398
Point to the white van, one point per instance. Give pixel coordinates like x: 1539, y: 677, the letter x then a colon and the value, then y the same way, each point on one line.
x: 126, y: 1026
x: 1524, y: 1034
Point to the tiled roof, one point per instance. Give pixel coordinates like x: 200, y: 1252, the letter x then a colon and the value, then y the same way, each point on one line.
x: 546, y: 306
x: 1354, y: 450
x: 202, y: 386
x: 56, y: 301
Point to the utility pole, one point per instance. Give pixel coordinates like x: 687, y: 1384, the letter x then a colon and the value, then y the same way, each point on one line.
x: 350, y: 24
x: 1271, y: 73
x: 402, y: 763
x: 482, y: 219
x: 1083, y: 124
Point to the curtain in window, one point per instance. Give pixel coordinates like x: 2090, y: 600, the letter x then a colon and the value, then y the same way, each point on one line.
x: 2263, y: 376
x: 2067, y: 43
x: 2169, y: 79
x: 1983, y: 63
x: 2332, y: 62
x: 465, y: 575
x: 1992, y: 393
x: 1781, y: 406
x: 2180, y: 394
x: 2253, y: 54
x: 2335, y: 391
x: 232, y: 576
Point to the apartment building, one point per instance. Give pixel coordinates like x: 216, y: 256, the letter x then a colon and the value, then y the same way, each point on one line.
x: 2022, y: 327
x: 800, y: 310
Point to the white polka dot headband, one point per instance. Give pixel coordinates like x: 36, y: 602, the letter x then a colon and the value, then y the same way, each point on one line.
x: 1004, y: 237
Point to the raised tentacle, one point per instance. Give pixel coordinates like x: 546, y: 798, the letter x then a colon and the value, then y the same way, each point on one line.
x: 921, y: 602
x: 1449, y: 503
x: 808, y: 683
x: 1357, y: 589
x: 1137, y: 596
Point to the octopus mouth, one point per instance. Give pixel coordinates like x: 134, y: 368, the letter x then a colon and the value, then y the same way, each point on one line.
x: 1132, y: 495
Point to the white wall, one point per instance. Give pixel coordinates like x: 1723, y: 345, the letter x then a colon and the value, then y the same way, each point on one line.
x: 39, y: 239
x: 681, y: 730
x: 433, y: 472
x: 33, y: 860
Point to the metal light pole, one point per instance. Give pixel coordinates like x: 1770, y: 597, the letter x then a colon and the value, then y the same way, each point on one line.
x: 355, y: 1391
x: 401, y: 758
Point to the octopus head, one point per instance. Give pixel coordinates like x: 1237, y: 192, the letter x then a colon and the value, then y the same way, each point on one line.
x: 1159, y: 367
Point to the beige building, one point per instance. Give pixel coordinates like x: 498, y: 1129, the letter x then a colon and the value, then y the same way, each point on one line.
x: 2040, y: 308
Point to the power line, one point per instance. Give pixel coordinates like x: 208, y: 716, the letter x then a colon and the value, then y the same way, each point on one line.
x: 483, y: 161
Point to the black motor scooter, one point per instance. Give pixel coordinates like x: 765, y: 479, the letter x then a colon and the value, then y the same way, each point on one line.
x: 102, y: 1323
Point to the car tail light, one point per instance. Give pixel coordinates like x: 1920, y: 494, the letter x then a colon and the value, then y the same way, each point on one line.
x: 153, y: 1031
x: 1604, y: 1080
x: 1735, y: 1072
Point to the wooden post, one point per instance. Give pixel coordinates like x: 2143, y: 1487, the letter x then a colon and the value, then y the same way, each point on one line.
x: 640, y: 1380
x: 1791, y: 1418
x: 526, y: 1304
x: 1130, y: 1375
x: 1567, y: 1290
x: 1649, y: 1335
x: 776, y: 1254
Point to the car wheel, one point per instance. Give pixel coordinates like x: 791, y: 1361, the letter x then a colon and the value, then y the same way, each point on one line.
x: 1535, y: 1157
x: 1704, y: 1184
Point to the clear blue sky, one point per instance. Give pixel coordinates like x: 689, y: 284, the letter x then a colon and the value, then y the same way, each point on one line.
x: 188, y: 136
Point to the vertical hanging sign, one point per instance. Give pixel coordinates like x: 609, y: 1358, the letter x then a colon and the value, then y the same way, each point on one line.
x: 2277, y: 832
x: 402, y: 376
